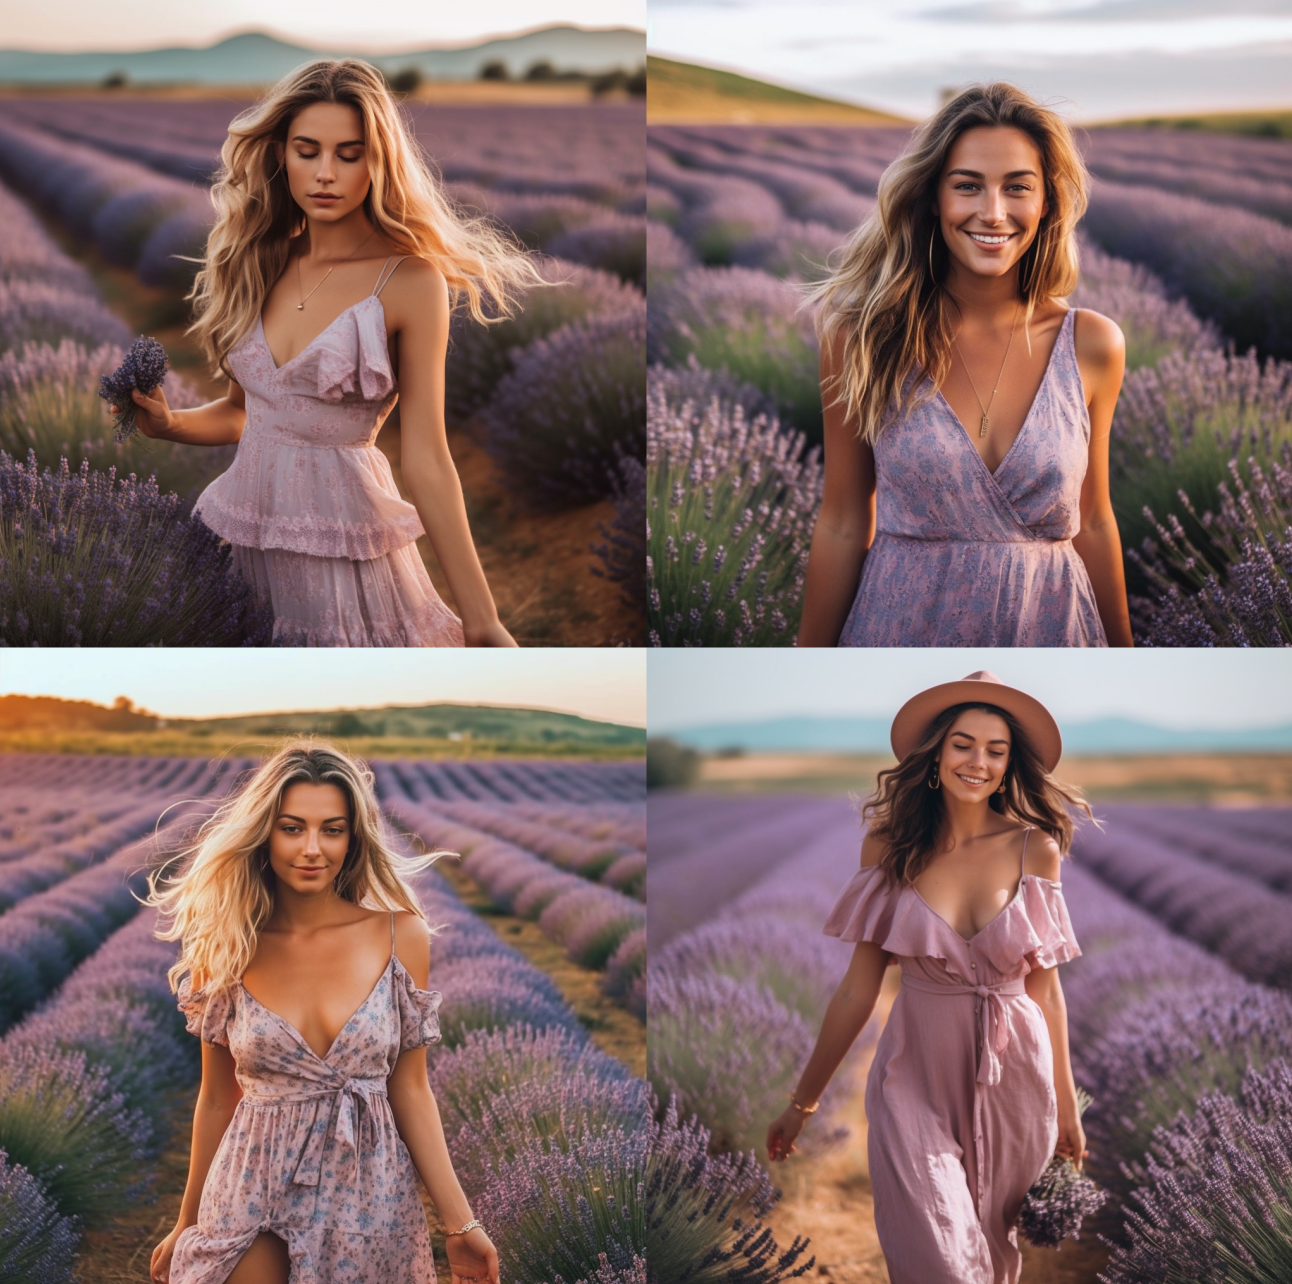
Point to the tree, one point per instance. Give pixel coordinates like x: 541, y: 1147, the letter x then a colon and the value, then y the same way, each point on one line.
x: 670, y: 765
x: 495, y: 70
x: 124, y: 704
x: 406, y: 81
x: 541, y: 70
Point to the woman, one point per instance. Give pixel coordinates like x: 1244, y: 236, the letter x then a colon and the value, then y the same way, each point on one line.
x: 967, y: 409
x: 330, y: 274
x: 314, y: 1115
x: 971, y: 1089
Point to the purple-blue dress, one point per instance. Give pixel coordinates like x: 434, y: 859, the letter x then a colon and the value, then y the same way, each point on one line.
x: 966, y: 557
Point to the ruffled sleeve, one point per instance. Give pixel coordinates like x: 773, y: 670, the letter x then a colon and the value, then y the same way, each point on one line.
x: 207, y: 1016
x: 418, y: 1013
x: 353, y: 359
x: 1041, y: 933
x: 869, y: 909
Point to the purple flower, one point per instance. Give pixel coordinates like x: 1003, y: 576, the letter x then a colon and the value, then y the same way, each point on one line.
x: 1059, y: 1199
x: 144, y: 367
x: 37, y: 1244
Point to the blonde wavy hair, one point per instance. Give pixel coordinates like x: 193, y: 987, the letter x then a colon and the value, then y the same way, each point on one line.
x: 257, y: 219
x: 218, y: 893
x: 887, y: 297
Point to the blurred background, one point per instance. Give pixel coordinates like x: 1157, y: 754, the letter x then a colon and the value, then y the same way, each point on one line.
x: 1181, y: 903
x: 769, y: 128
x: 111, y: 123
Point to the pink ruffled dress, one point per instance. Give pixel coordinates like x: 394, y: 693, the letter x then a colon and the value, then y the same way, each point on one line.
x: 312, y: 1152
x: 960, y: 1100
x: 310, y: 506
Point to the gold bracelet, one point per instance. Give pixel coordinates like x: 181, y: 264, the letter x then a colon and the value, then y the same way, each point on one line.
x: 807, y: 1110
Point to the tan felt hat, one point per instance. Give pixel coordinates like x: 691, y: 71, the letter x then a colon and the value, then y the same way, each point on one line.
x: 914, y: 716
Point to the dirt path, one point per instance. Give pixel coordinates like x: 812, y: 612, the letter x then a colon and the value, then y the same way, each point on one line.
x: 538, y: 564
x: 829, y: 1200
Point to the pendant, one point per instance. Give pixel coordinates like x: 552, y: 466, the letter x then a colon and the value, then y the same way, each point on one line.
x: 982, y: 428
x: 300, y: 307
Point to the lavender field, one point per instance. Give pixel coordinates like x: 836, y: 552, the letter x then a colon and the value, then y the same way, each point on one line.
x: 1180, y: 1022
x: 1187, y: 244
x: 555, y: 396
x: 93, y: 1049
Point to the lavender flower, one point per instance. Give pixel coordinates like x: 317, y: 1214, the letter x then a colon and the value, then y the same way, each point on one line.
x: 1059, y: 1199
x: 37, y: 1244
x: 625, y: 978
x: 614, y: 242
x: 143, y: 368
x: 623, y: 552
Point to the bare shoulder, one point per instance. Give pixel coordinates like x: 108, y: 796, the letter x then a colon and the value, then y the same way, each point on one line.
x: 873, y: 848
x: 1101, y: 346
x: 1042, y: 856
x: 413, y: 945
x: 419, y: 283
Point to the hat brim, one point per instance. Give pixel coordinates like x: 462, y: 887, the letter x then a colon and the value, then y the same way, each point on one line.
x: 1038, y: 724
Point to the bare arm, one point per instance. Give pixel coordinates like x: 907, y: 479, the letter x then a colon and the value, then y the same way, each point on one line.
x: 1101, y: 356
x: 849, y: 1009
x: 417, y: 1117
x: 218, y: 423
x: 845, y: 526
x: 417, y: 305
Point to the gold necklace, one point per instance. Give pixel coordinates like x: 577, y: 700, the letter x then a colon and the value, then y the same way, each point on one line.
x: 982, y: 427
x: 300, y: 306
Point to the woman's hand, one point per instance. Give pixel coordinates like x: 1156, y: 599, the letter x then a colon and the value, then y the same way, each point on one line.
x: 780, y: 1136
x: 472, y: 1257
x: 152, y: 415
x: 159, y: 1267
x: 490, y: 635
x: 1072, y: 1138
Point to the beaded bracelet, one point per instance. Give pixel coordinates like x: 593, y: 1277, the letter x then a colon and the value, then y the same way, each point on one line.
x: 471, y: 1225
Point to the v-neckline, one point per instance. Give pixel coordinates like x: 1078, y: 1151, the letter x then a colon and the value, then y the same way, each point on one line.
x: 993, y: 473
x: 260, y: 326
x: 969, y: 940
x: 299, y: 1036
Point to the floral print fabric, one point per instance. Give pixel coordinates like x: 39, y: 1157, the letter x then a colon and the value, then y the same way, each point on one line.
x: 309, y: 480
x: 963, y: 556
x: 312, y: 1153
x: 960, y: 1100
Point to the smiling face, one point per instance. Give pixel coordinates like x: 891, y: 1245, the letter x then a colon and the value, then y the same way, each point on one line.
x: 991, y: 199
x: 974, y: 755
x: 310, y: 837
x: 326, y: 161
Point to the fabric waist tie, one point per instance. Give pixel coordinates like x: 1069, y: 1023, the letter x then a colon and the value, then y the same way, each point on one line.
x: 993, y: 1024
x: 993, y: 1034
x: 342, y: 1122
x: 1033, y: 538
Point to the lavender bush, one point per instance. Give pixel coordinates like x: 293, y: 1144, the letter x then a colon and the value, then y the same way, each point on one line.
x: 573, y: 404
x: 39, y: 312
x: 625, y: 978
x: 614, y: 242
x: 88, y: 560
x: 666, y: 253
x: 623, y: 550
x: 37, y: 1244
x: 748, y: 323
x: 731, y: 507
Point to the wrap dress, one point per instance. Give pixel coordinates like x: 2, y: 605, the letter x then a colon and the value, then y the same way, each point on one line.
x: 960, y: 1099
x: 963, y: 556
x: 312, y: 1153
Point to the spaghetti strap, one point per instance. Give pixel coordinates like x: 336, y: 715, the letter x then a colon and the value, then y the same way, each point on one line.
x: 1022, y: 860
x: 392, y: 936
x: 383, y: 276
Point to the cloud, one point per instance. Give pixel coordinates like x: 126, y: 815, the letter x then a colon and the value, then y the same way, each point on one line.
x: 1015, y: 11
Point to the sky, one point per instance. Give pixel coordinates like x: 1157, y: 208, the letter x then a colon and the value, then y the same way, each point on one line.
x: 1179, y: 689
x: 608, y: 685
x: 75, y: 26
x: 1094, y: 59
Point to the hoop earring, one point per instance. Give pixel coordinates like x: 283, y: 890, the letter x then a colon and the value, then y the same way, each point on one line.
x: 933, y: 231
x: 1001, y: 790
x: 934, y: 781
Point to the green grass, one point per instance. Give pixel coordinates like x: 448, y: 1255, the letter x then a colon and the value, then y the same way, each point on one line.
x: 1256, y: 124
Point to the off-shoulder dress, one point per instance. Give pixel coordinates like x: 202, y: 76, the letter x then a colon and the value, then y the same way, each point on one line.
x: 309, y: 504
x: 312, y: 1153
x: 960, y: 1101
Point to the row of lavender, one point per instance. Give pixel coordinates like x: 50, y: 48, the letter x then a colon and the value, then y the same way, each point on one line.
x: 741, y: 216
x: 536, y: 1117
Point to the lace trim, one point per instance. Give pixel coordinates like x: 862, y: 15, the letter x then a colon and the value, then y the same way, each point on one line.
x: 358, y: 541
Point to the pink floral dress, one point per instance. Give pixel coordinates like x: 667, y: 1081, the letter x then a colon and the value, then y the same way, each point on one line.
x: 312, y: 1153
x: 309, y: 504
x: 960, y: 1101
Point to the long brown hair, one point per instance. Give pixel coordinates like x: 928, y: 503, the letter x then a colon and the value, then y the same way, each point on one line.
x: 257, y: 219
x: 909, y: 815
x: 887, y: 297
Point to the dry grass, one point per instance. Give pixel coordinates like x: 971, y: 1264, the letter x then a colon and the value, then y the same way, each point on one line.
x: 1235, y: 780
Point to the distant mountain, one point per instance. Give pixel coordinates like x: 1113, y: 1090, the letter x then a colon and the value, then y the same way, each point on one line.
x: 256, y: 58
x: 870, y: 735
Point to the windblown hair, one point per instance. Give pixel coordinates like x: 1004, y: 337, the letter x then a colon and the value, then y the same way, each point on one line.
x: 220, y: 891
x: 909, y: 816
x: 257, y: 219
x: 889, y: 305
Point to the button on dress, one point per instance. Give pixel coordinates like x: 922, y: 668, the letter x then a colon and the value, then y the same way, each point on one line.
x: 963, y: 556
x: 960, y: 1099
x: 312, y: 1152
x: 310, y: 505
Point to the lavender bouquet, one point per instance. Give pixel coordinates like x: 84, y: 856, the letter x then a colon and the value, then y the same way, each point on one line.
x: 144, y: 368
x: 1059, y: 1199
